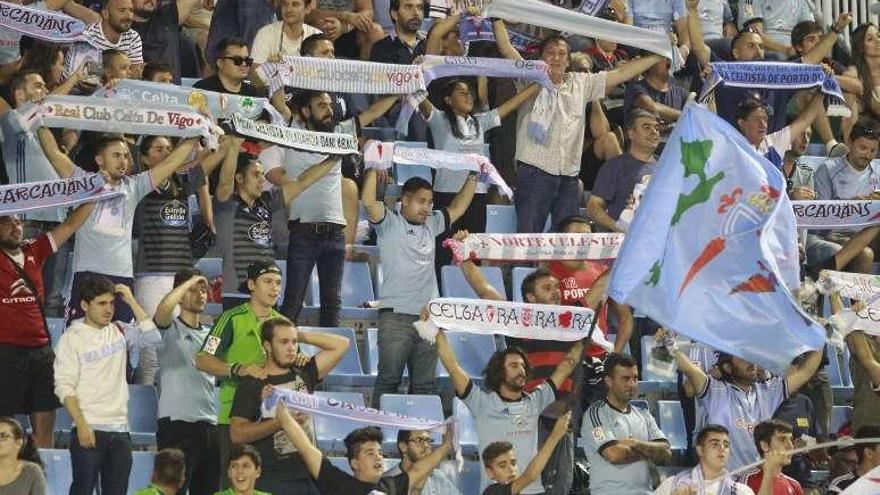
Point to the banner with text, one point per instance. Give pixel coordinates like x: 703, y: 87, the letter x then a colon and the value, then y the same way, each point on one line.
x: 218, y: 105
x: 512, y: 248
x: 47, y: 25
x: 334, y: 408
x: 319, y: 142
x: 20, y: 198
x: 836, y: 215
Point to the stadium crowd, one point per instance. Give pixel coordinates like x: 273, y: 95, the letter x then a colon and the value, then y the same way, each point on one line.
x: 144, y: 309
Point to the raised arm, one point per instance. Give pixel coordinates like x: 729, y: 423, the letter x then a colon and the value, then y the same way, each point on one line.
x: 475, y: 277
x: 502, y: 40
x: 62, y: 163
x: 806, y: 117
x: 568, y: 364
x: 518, y: 99
x: 226, y: 180
x: 165, y: 310
x: 379, y: 108
x: 72, y: 223
x: 311, y: 456
x: 375, y: 209
x: 695, y: 32
x: 665, y: 112
x: 858, y: 345
x: 536, y: 465
x: 173, y: 162
x: 625, y: 323
x: 457, y: 375
x: 333, y: 348
x: 824, y: 46
x: 420, y: 471
x: 797, y: 377
x: 209, y: 160
x: 626, y: 72
x: 442, y: 27
x: 695, y: 375
x: 293, y: 188
x: 137, y: 310
x: 462, y: 200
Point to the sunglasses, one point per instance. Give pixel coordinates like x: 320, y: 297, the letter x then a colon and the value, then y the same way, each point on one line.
x: 239, y: 60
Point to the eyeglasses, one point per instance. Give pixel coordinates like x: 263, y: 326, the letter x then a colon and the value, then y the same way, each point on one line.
x: 421, y: 440
x: 239, y: 60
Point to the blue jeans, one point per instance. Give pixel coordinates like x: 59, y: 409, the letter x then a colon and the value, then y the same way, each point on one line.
x: 399, y: 346
x: 305, y: 250
x: 111, y: 458
x: 539, y: 194
x: 237, y: 18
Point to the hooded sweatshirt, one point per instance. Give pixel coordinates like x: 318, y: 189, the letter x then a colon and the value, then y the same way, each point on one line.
x: 90, y: 364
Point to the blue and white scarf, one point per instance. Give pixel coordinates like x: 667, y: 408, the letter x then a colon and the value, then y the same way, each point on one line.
x: 30, y: 196
x: 219, y: 105
x: 46, y: 25
x: 694, y: 479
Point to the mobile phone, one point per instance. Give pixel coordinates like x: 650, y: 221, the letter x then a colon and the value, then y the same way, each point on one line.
x: 95, y: 69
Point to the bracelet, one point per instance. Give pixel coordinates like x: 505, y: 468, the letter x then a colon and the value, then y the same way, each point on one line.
x: 233, y: 369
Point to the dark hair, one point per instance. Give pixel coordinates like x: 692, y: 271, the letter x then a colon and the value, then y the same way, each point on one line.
x: 493, y: 373
x: 749, y: 105
x: 267, y: 329
x: 447, y: 108
x: 865, y: 128
x: 169, y: 467
x: 571, y: 220
x: 230, y: 41
x: 184, y: 274
x: 155, y: 67
x: 414, y: 185
x: 20, y: 81
x: 107, y: 140
x: 28, y: 451
x: 94, y: 286
x: 637, y: 114
x: 710, y: 428
x: 857, y: 41
x: 743, y: 32
x: 528, y: 283
x: 765, y: 430
x: 244, y: 450
x: 107, y: 56
x: 147, y: 141
x: 302, y: 97
x: 867, y: 431
x: 307, y: 47
x: 553, y: 38
x: 803, y: 29
x: 356, y: 438
x: 618, y: 359
x: 40, y: 57
x: 495, y: 450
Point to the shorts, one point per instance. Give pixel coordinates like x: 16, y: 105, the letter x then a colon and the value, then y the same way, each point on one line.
x: 820, y: 254
x: 28, y: 383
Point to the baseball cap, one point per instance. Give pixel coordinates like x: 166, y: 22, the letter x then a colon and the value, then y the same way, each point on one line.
x: 257, y: 268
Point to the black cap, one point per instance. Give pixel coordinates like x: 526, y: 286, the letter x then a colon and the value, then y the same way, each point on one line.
x: 257, y: 268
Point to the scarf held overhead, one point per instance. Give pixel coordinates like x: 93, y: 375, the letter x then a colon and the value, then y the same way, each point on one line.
x: 218, y: 105
x: 318, y: 142
x: 103, y: 115
x: 46, y: 25
x: 511, y: 319
x: 535, y: 247
x: 20, y: 198
x: 836, y: 215
x: 381, y: 155
x: 331, y: 407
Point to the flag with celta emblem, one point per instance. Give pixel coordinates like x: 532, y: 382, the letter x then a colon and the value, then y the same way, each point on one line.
x: 712, y: 251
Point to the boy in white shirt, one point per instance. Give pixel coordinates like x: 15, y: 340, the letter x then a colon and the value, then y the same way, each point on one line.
x: 90, y: 380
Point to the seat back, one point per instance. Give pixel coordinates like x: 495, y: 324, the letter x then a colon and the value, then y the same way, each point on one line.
x: 453, y: 283
x: 418, y: 406
x: 331, y: 431
x: 351, y: 361
x: 672, y: 423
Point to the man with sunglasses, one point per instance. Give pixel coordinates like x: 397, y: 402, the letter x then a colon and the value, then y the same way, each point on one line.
x: 414, y: 446
x: 233, y: 66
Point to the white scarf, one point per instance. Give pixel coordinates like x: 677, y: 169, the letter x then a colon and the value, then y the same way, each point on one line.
x: 330, y: 143
x: 836, y: 215
x: 512, y: 248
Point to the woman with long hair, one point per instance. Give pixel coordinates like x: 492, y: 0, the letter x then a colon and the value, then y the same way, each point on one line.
x: 866, y: 62
x: 21, y: 470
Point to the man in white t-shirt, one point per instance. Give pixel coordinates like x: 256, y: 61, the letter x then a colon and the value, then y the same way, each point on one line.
x: 283, y: 37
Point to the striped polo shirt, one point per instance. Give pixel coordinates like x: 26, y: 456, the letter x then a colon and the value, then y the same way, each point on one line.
x: 129, y: 43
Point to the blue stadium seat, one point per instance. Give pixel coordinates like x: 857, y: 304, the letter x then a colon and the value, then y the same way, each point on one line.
x: 453, y: 284
x: 517, y: 276
x: 419, y: 406
x: 349, y: 371
x: 840, y: 415
x: 469, y: 477
x: 500, y: 219
x: 357, y: 288
x: 59, y: 474
x: 672, y: 423
x: 282, y: 265
x: 641, y: 404
x: 67, y: 288
x: 56, y: 328
x: 371, y: 342
x: 472, y: 350
x: 330, y: 431
x: 141, y: 470
x: 838, y: 374
x: 63, y: 425
x: 341, y: 463
x: 187, y: 82
x: 143, y: 412
x: 467, y: 428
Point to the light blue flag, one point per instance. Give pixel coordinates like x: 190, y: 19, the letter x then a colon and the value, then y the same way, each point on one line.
x: 712, y: 251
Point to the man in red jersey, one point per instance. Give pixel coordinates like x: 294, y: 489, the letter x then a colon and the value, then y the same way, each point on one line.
x: 26, y: 355
x: 774, y: 441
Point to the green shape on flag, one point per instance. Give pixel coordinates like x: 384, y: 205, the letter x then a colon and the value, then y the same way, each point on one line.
x: 654, y: 279
x: 694, y: 155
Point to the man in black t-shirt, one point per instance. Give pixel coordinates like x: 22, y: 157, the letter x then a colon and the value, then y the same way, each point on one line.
x: 286, y: 367
x: 233, y: 67
x: 364, y: 451
x: 499, y: 459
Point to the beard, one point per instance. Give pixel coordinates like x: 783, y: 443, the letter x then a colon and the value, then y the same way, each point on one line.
x: 321, y: 126
x: 515, y: 384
